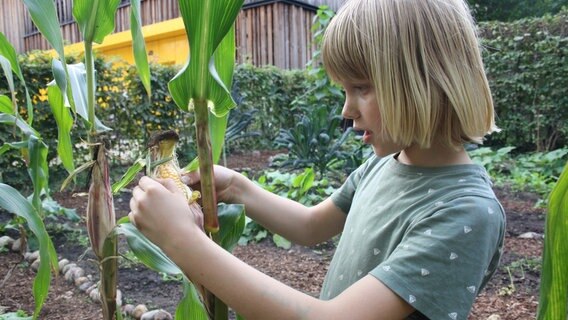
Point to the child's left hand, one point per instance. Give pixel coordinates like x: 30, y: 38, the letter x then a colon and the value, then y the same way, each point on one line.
x: 160, y: 211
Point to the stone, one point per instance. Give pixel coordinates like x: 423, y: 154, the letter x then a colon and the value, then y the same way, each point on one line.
x: 35, y: 265
x: 85, y: 286
x: 118, y: 298
x: 67, y: 267
x: 16, y: 245
x: 95, y: 295
x: 80, y: 280
x: 138, y: 311
x: 128, y: 309
x: 69, y: 275
x: 6, y: 241
x: 34, y: 256
x: 91, y: 288
x: 62, y: 263
x: 157, y: 315
x: 530, y: 235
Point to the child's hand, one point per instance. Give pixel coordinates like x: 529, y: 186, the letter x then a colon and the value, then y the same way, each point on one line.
x: 160, y: 211
x: 225, y: 183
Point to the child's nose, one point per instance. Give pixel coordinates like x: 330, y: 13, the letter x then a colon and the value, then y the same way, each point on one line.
x: 349, y: 110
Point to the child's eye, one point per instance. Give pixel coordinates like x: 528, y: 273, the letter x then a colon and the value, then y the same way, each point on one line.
x: 362, y: 89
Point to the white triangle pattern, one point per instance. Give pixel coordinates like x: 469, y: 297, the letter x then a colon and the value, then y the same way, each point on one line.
x: 453, y: 256
x: 466, y: 229
x: 424, y: 272
x: 411, y: 299
x: 453, y: 315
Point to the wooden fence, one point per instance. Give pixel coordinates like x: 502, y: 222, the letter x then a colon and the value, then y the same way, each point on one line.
x: 267, y: 32
x: 277, y: 34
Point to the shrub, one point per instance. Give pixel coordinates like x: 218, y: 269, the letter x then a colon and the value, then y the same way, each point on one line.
x: 527, y: 67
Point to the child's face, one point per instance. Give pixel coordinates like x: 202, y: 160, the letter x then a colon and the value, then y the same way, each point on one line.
x: 361, y: 106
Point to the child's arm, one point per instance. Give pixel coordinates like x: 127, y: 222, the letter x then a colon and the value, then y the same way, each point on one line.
x: 292, y: 220
x: 248, y: 291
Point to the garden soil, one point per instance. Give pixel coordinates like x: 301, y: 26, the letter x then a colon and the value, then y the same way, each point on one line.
x: 511, y: 294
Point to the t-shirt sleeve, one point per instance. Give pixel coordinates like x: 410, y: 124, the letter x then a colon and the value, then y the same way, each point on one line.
x: 441, y: 262
x: 343, y: 196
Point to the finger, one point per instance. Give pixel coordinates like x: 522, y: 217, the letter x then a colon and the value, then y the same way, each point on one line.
x: 170, y: 185
x: 146, y: 182
x: 137, y: 193
x: 132, y: 219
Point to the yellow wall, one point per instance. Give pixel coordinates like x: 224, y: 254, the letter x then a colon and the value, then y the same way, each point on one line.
x: 166, y: 43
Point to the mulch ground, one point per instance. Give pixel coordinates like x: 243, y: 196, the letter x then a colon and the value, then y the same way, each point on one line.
x: 511, y: 294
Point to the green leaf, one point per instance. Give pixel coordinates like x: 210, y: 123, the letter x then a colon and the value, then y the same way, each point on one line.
x: 64, y: 122
x: 5, y: 64
x: 78, y: 82
x: 6, y: 105
x: 129, y: 175
x: 231, y: 225
x: 38, y: 169
x: 26, y: 129
x: 139, y: 46
x: 207, y: 24
x: 190, y: 307
x: 44, y: 16
x: 95, y: 18
x: 281, y: 242
x: 12, y: 201
x: 554, y: 276
x: 8, y: 52
x: 154, y: 258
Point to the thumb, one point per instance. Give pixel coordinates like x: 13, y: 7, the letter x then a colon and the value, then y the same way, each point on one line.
x: 190, y: 178
x: 171, y: 185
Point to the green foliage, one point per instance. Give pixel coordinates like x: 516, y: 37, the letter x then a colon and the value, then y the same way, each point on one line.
x: 509, y: 10
x: 315, y: 141
x: 527, y: 67
x: 534, y: 172
x: 302, y: 187
x: 270, y: 91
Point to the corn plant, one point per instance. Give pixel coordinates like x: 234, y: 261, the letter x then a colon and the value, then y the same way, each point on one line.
x: 34, y: 151
x: 553, y: 302
x: 203, y: 87
x: 72, y: 92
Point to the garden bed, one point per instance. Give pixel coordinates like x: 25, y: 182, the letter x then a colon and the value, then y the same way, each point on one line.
x: 511, y: 294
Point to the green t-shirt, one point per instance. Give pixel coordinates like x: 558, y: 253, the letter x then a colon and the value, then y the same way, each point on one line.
x: 434, y: 236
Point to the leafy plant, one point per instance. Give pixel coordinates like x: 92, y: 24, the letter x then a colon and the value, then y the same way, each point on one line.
x: 534, y: 172
x: 526, y: 67
x: 554, y: 276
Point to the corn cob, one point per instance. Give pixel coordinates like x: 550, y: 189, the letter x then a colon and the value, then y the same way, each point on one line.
x: 162, y: 146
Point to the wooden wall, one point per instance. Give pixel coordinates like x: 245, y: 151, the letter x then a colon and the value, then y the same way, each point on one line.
x: 11, y: 24
x: 271, y: 33
x: 152, y: 11
x: 276, y: 34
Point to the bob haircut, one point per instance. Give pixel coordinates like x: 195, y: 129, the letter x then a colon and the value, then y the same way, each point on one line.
x: 423, y: 59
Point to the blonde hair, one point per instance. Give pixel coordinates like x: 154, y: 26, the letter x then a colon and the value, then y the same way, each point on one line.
x: 424, y: 60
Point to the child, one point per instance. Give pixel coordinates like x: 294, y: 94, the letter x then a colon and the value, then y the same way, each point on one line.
x: 422, y: 231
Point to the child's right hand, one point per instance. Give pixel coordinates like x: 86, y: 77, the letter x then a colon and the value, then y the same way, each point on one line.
x: 226, y: 183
